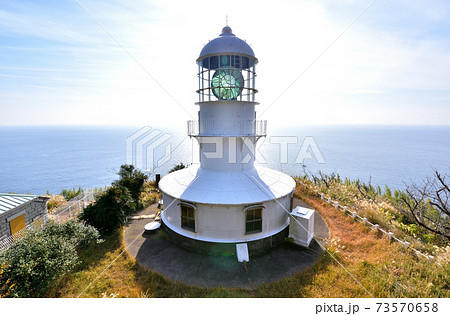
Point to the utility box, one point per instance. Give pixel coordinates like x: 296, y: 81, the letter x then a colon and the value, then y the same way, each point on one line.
x: 301, y: 225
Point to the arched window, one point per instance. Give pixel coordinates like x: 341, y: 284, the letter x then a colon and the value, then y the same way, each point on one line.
x: 253, y: 219
x: 187, y: 216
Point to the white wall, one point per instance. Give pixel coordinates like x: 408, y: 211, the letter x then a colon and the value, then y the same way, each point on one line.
x: 227, y: 117
x: 219, y: 223
x: 227, y: 153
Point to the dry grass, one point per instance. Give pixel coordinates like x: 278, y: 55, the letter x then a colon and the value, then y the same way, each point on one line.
x: 149, y: 194
x: 382, y: 268
x: 54, y: 202
x: 378, y: 207
x: 385, y: 269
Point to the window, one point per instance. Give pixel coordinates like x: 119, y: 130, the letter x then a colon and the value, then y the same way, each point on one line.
x: 253, y: 220
x: 187, y: 217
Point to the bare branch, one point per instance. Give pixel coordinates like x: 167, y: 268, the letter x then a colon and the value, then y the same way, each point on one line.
x: 428, y: 204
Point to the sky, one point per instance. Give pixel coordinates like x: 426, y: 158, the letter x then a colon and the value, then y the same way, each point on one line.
x: 108, y: 62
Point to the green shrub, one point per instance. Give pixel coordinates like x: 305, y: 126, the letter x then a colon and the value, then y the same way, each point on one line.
x: 71, y: 193
x: 32, y: 265
x: 178, y: 167
x: 81, y: 235
x: 132, y: 179
x: 110, y: 210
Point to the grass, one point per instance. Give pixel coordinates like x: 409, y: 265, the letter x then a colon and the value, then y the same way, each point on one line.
x: 149, y: 194
x: 54, y: 202
x: 382, y: 268
x: 385, y: 269
x: 379, y: 206
x: 124, y: 278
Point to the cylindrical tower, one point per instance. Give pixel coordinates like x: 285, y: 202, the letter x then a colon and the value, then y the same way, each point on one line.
x: 227, y: 121
x: 227, y: 199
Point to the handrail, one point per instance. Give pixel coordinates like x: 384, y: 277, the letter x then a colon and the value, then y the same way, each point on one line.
x: 227, y: 128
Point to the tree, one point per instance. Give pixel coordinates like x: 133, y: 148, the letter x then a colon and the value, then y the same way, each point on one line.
x: 71, y: 193
x: 110, y: 210
x: 368, y: 191
x: 328, y: 180
x: 428, y: 204
x: 132, y: 179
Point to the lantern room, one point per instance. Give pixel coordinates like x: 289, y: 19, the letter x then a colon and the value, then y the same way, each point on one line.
x: 226, y: 69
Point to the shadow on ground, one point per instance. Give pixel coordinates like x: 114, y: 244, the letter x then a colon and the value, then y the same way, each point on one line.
x: 155, y: 252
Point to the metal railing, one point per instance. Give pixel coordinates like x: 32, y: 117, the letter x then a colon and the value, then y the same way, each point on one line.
x: 74, y: 207
x: 8, y: 241
x: 61, y: 214
x: 227, y: 128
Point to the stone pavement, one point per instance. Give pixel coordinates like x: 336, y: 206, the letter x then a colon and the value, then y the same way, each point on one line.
x: 178, y: 264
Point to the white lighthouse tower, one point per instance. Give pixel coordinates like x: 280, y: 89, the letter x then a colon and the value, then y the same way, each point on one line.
x: 226, y: 199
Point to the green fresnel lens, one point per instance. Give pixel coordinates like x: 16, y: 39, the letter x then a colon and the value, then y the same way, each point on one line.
x: 227, y: 84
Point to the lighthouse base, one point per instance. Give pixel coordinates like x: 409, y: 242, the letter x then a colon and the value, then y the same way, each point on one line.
x: 225, y: 249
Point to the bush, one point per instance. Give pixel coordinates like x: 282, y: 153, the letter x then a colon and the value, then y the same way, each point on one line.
x: 70, y: 194
x: 81, y: 235
x: 111, y: 209
x: 32, y: 265
x: 54, y: 202
x: 178, y: 167
x: 132, y: 179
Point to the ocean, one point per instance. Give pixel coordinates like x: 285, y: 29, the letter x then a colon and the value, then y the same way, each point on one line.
x: 39, y: 159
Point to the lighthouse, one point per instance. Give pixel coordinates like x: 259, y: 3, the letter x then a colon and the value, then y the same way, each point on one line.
x: 226, y: 199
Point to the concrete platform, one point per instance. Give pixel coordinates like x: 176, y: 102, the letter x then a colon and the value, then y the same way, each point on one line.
x: 177, y: 264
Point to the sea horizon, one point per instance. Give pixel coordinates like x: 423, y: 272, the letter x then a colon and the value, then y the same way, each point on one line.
x: 42, y: 158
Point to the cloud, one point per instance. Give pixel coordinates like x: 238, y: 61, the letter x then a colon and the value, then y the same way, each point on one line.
x: 390, y: 54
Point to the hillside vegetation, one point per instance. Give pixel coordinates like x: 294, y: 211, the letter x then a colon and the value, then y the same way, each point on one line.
x: 359, y: 262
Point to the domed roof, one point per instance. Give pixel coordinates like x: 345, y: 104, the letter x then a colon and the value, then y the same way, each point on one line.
x: 227, y: 42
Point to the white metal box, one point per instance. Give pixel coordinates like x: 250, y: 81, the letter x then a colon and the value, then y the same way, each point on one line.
x: 242, y: 252
x: 301, y: 225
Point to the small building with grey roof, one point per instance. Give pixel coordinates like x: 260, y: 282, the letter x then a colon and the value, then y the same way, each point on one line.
x: 20, y: 210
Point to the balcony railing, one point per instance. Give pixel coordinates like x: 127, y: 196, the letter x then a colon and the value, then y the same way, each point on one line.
x: 227, y: 128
